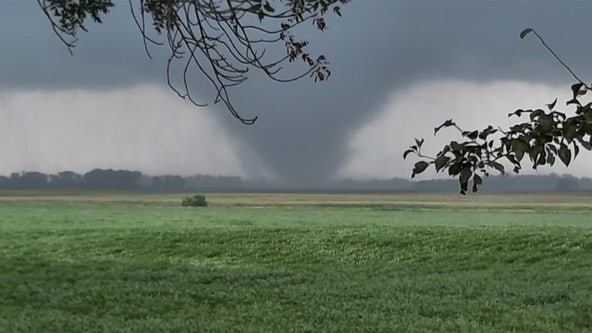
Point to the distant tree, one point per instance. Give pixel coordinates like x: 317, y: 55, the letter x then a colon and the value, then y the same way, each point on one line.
x: 172, y: 183
x: 110, y: 179
x: 196, y: 200
x: 213, y: 182
x: 32, y: 180
x: 567, y: 183
x: 5, y: 182
x: 543, y: 137
x: 155, y: 183
x: 585, y: 183
x: 66, y: 180
x: 221, y: 39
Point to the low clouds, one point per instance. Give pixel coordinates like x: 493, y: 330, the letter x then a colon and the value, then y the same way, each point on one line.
x: 143, y: 128
x: 376, y: 148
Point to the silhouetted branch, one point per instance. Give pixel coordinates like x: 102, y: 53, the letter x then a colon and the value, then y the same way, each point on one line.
x: 217, y: 37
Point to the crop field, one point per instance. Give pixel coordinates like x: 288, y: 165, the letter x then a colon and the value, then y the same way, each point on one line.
x: 253, y: 262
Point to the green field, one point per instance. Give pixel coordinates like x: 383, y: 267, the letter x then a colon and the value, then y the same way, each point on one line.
x: 75, y: 262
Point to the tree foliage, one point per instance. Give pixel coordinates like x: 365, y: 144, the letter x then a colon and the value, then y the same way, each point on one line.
x: 196, y: 200
x: 220, y: 39
x: 547, y: 135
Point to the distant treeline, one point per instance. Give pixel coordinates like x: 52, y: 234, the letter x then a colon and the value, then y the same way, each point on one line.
x: 109, y: 179
x: 515, y: 183
x: 505, y: 183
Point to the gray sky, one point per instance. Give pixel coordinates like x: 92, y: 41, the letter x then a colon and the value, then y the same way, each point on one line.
x: 399, y: 69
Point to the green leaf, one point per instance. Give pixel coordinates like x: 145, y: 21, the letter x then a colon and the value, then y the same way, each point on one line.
x: 564, y: 154
x: 464, y: 180
x: 473, y: 135
x: 517, y: 113
x: 537, y: 155
x: 573, y: 101
x: 576, y: 150
x: 536, y: 113
x: 486, y: 132
x: 525, y: 32
x: 441, y: 161
x: 337, y: 11
x: 419, y: 168
x: 454, y: 169
x: 519, y: 147
x: 546, y: 123
x: 268, y: 7
x: 447, y: 123
x: 419, y: 142
x: 465, y: 174
x: 455, y: 146
x: 499, y: 167
x: 476, y: 181
x: 570, y: 129
x: 575, y: 89
x: 407, y: 152
x: 552, y: 105
x: 551, y: 159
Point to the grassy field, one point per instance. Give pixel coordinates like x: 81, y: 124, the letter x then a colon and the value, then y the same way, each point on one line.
x: 72, y: 262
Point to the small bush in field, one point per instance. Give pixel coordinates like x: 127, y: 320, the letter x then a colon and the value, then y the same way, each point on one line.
x: 197, y: 200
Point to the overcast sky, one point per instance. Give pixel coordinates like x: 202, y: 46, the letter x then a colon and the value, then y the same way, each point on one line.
x: 400, y: 68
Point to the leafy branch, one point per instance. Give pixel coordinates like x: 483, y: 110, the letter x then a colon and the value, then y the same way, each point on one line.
x: 546, y: 135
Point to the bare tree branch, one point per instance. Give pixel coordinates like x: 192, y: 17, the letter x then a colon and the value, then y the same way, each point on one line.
x: 217, y: 38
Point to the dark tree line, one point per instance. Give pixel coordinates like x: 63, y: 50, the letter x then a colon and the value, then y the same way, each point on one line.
x: 109, y: 179
x: 95, y: 179
x: 518, y: 183
x: 126, y: 180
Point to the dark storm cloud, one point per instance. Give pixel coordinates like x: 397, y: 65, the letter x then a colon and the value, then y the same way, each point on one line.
x: 376, y: 48
x: 379, y: 47
x: 32, y: 56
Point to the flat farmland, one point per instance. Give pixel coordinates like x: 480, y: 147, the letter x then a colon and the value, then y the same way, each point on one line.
x: 277, y: 262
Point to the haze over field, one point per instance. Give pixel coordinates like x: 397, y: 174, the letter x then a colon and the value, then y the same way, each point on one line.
x: 399, y: 70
